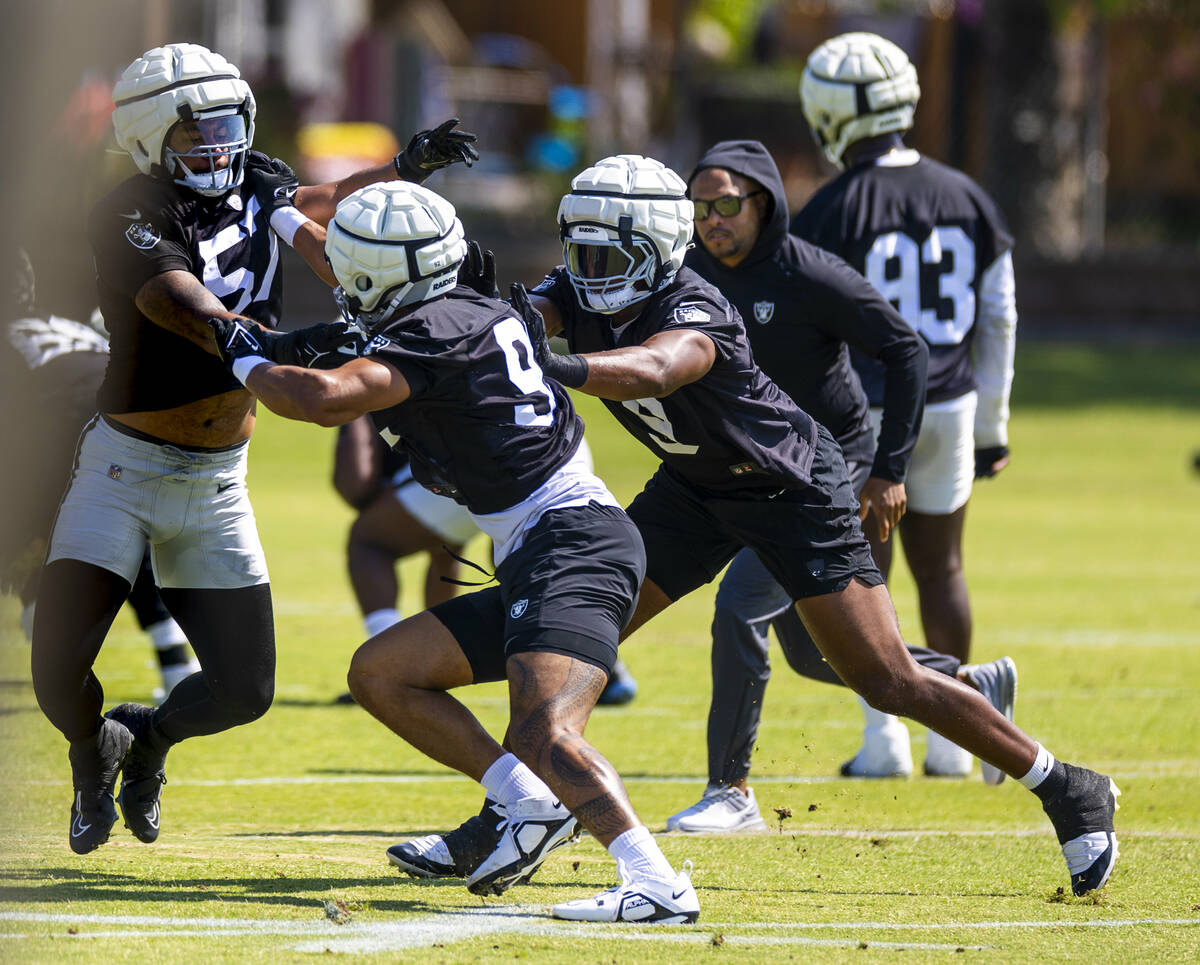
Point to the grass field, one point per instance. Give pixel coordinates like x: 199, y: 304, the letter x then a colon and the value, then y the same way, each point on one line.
x: 1084, y: 563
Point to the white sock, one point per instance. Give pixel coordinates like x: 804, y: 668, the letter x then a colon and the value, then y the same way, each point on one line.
x: 639, y: 852
x: 377, y: 621
x: 166, y: 634
x: 1043, y: 764
x: 508, y: 780
x: 876, y: 718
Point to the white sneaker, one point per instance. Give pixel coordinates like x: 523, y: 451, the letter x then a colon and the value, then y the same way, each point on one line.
x: 534, y: 827
x: 997, y: 681
x: 723, y: 808
x: 944, y: 758
x: 884, y: 753
x: 638, y: 899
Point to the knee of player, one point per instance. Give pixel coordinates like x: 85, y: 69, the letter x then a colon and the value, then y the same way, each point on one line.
x: 246, y: 701
x: 891, y: 693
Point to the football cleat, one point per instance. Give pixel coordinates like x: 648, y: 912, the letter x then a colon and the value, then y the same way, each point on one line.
x: 722, y: 809
x: 95, y: 764
x: 884, y: 753
x: 143, y: 776
x: 944, y: 758
x: 455, y: 854
x: 997, y: 681
x: 1082, y: 815
x: 534, y: 827
x: 638, y: 899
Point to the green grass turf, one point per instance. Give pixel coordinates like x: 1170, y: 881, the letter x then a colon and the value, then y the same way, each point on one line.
x: 1084, y: 564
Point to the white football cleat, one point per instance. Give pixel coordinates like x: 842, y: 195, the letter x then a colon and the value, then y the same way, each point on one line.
x: 722, y: 809
x: 534, y: 827
x: 884, y: 752
x: 638, y: 899
x: 944, y: 758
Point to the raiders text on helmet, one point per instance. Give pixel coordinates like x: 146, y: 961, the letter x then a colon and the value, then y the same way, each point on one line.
x: 625, y: 227
x: 857, y: 85
x: 185, y: 84
x: 391, y: 245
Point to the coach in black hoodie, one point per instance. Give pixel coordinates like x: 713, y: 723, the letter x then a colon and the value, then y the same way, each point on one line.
x: 802, y: 306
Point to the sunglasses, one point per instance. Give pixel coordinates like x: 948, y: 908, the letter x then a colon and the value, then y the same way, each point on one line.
x: 726, y: 206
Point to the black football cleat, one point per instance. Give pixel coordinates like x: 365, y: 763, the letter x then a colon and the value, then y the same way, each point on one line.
x: 455, y: 854
x: 95, y: 764
x: 143, y: 776
x: 1082, y: 815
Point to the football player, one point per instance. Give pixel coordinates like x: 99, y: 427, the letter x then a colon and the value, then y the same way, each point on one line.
x: 743, y: 466
x: 52, y: 367
x: 803, y: 308
x: 450, y: 378
x: 194, y: 235
x: 933, y: 243
x: 398, y: 517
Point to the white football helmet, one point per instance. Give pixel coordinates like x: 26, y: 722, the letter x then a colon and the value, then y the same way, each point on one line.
x: 185, y: 84
x: 625, y: 227
x: 391, y: 245
x: 857, y: 85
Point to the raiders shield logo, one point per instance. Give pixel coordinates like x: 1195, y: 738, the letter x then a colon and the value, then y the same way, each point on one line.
x: 518, y: 608
x: 763, y: 311
x: 142, y: 236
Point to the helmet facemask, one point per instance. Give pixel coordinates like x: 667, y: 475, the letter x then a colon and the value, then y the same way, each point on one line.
x: 609, y: 273
x: 220, y: 140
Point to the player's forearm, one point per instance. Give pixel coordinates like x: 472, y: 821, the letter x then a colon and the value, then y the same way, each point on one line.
x: 306, y: 395
x: 906, y: 364
x: 993, y: 350
x: 320, y: 201
x: 176, y: 301
x: 630, y: 373
x: 309, y: 243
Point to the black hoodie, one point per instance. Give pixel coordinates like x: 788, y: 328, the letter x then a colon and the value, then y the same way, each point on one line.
x: 801, y: 306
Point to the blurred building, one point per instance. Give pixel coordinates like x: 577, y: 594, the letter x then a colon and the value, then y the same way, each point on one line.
x: 1084, y: 126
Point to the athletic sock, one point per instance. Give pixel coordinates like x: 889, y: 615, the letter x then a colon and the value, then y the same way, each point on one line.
x: 508, y: 780
x: 1047, y: 777
x: 639, y: 852
x: 377, y: 621
x: 166, y: 634
x: 876, y: 718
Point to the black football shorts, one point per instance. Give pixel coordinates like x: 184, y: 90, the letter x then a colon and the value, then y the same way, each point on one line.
x: 807, y: 536
x: 570, y: 588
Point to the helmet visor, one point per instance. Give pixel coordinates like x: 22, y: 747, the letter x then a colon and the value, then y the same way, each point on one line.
x: 599, y: 261
x: 207, y: 153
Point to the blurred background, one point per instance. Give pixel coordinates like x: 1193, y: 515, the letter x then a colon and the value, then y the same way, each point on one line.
x: 1080, y: 117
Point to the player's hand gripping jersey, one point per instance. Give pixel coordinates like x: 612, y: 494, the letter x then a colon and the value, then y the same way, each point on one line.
x: 733, y: 429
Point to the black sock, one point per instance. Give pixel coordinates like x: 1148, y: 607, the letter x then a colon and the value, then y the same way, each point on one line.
x: 1054, y: 784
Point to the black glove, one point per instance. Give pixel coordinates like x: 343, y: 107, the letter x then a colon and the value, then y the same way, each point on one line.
x: 235, y: 340
x: 986, y: 459
x: 323, y: 346
x: 274, y: 183
x: 430, y: 150
x: 478, y: 271
x: 569, y: 370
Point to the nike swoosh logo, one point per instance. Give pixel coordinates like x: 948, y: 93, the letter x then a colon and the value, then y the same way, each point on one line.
x: 134, y: 215
x: 676, y: 895
x: 153, y: 821
x: 77, y: 826
x: 223, y: 487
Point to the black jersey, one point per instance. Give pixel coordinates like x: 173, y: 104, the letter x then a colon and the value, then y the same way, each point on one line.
x: 146, y: 227
x: 923, y: 234
x: 733, y: 429
x: 481, y: 425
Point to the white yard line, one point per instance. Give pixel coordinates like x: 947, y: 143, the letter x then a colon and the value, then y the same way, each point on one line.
x: 454, y: 926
